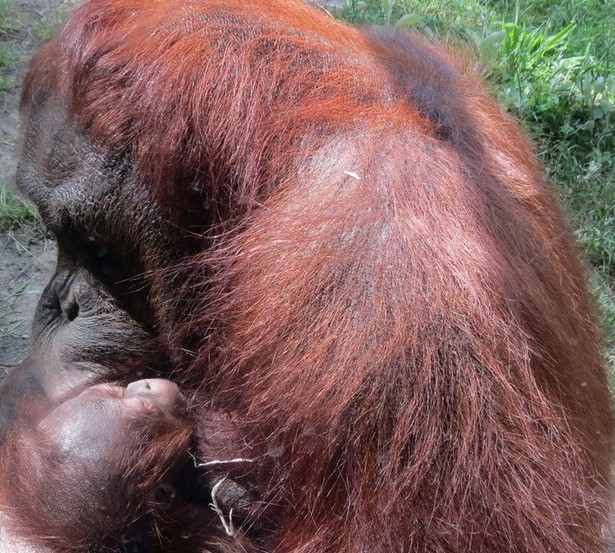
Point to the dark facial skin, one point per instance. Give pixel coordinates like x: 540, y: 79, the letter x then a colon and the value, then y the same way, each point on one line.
x: 94, y: 424
x: 102, y: 313
x: 96, y: 318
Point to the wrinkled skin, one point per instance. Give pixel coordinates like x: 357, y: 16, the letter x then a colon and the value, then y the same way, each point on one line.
x: 94, y: 318
x: 100, y: 317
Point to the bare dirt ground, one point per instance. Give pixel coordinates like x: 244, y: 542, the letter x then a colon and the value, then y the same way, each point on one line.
x: 26, y: 262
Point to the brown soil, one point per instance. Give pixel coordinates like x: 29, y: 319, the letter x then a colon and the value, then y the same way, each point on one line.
x: 26, y: 263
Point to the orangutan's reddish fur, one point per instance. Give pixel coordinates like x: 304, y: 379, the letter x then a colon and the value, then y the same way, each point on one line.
x: 57, y: 501
x: 60, y: 503
x: 391, y: 305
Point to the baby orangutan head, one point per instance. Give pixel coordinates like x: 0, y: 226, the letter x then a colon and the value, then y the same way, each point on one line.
x: 84, y: 467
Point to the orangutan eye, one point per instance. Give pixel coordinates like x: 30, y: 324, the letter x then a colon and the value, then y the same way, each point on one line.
x: 140, y: 403
x: 94, y: 239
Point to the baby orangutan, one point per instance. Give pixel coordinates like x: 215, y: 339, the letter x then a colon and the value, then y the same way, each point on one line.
x: 75, y: 474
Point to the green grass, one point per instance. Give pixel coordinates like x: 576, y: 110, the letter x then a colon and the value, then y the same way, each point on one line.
x: 605, y: 295
x: 431, y: 17
x: 10, y: 321
x: 15, y: 212
x: 7, y: 60
x: 9, y: 23
x: 8, y: 17
x: 52, y: 19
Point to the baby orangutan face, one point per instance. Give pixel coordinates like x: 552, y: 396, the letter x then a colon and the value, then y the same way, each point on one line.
x: 104, y: 467
x: 101, y: 421
x: 109, y: 468
x: 120, y: 444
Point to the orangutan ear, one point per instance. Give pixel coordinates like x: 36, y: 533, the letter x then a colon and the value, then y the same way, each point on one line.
x: 163, y: 497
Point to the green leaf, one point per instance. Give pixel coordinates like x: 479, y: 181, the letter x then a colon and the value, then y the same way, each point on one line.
x: 387, y: 8
x: 409, y: 20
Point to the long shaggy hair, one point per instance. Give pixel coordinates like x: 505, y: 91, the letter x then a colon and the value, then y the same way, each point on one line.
x: 389, y: 305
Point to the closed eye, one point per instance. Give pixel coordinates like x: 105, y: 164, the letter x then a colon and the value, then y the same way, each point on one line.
x: 140, y: 403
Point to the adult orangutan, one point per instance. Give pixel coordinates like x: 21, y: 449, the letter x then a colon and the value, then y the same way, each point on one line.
x: 335, y: 238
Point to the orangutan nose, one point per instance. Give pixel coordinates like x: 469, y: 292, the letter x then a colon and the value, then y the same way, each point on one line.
x: 151, y: 387
x: 159, y: 392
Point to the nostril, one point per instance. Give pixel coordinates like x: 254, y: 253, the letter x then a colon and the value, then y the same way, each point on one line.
x: 71, y: 310
x: 138, y: 387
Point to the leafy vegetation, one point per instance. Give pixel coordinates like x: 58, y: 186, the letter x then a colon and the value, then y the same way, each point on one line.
x: 8, y: 25
x: 52, y: 19
x: 7, y: 17
x: 552, y: 64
